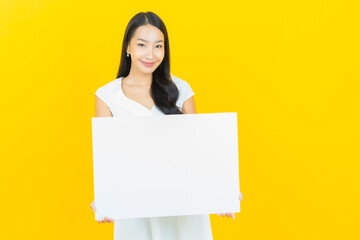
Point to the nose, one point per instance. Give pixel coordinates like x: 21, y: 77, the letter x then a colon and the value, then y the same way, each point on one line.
x: 149, y: 53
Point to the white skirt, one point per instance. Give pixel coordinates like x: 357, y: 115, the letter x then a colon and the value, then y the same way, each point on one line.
x: 194, y: 227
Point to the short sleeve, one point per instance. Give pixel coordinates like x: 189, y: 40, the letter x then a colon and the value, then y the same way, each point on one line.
x: 187, y: 92
x: 103, y: 94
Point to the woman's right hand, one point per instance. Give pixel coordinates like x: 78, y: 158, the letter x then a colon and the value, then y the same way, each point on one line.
x: 109, y: 220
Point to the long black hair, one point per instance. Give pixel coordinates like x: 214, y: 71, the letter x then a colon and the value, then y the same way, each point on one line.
x: 164, y: 91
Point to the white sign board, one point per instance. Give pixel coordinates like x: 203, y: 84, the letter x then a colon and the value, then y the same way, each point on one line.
x: 165, y: 165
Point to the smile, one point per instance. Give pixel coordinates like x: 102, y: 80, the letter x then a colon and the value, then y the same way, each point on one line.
x: 148, y: 64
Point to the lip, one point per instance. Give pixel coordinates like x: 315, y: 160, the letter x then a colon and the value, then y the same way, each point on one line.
x: 148, y: 64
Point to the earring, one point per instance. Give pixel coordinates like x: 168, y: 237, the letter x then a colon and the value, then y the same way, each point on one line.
x: 127, y: 54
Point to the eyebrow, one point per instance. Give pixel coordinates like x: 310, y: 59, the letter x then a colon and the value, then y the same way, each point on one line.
x: 147, y: 41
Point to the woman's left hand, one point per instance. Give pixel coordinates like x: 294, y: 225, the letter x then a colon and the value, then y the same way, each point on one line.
x: 231, y: 214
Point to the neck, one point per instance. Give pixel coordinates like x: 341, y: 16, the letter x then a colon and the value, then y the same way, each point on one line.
x: 139, y: 79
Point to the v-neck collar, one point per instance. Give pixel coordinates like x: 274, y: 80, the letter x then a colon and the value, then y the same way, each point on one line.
x: 130, y: 100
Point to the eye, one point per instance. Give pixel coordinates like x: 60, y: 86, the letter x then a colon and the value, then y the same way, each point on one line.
x: 160, y: 46
x: 140, y: 44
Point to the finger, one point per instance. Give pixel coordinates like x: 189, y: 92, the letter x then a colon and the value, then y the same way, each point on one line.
x: 228, y: 215
x: 92, y: 205
x: 222, y: 214
x: 241, y: 196
x: 233, y: 215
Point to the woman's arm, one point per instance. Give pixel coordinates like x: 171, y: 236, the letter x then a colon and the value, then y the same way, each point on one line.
x: 189, y: 106
x: 101, y: 109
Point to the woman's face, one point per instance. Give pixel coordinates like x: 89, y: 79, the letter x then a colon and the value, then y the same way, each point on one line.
x: 146, y: 46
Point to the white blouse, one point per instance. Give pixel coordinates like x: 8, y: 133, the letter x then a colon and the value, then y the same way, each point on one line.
x: 156, y: 228
x: 112, y: 94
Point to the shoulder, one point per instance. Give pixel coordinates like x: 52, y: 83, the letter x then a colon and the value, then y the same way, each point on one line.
x: 180, y: 83
x: 108, y: 86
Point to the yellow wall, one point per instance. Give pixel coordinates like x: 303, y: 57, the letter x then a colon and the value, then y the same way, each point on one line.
x: 290, y: 69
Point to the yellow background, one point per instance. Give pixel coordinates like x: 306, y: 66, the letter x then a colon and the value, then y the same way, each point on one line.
x: 290, y: 69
